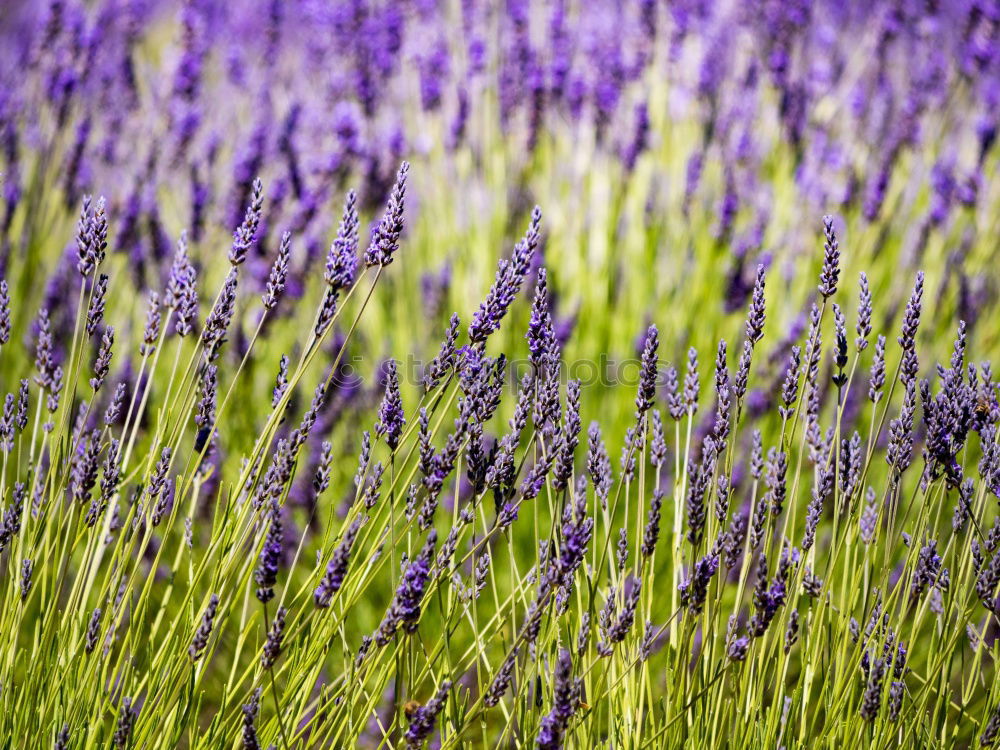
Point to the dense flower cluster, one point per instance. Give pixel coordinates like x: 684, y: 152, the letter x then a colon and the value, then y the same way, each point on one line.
x: 239, y: 505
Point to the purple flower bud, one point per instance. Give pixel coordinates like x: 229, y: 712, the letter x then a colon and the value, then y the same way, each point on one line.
x: 279, y: 274
x: 26, y: 568
x: 423, y: 719
x: 568, y: 439
x: 831, y: 260
x: 652, y: 530
x: 992, y: 728
x: 327, y: 310
x: 151, y: 331
x: 675, y: 404
x: 93, y: 631
x: 280, y: 383
x: 928, y: 571
x: 213, y: 335
x: 246, y: 233
x: 249, y: 732
x: 385, y: 240
x: 509, y: 277
x: 95, y: 313
x: 501, y: 681
x: 4, y: 312
x: 405, y: 608
x: 200, y: 641
x: 738, y: 648
x: 864, y: 327
x: 598, y: 463
x: 691, y: 385
x: 756, y: 314
x: 113, y: 412
x: 565, y: 699
x: 266, y: 574
x: 694, y: 502
x: 648, y: 372
x: 182, y: 294
x: 43, y: 351
x: 898, y: 454
x: 790, y: 387
x: 774, y: 479
x: 442, y: 364
x: 21, y: 415
x: 103, y: 361
x: 205, y: 412
x: 767, y: 601
x: 272, y: 646
x: 871, y: 700
x: 7, y: 424
x: 391, y: 419
x: 91, y: 236
x: 907, y: 338
x: 694, y: 589
x: 621, y: 553
x: 342, y: 260
x: 792, y: 630
x: 540, y: 336
x: 109, y: 484
x: 733, y: 542
x: 336, y: 569
x: 123, y: 729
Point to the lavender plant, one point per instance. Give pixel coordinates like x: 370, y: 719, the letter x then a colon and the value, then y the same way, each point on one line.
x: 259, y: 489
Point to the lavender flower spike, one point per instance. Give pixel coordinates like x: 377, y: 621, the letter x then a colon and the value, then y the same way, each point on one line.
x: 342, y: 260
x: 565, y: 699
x: 4, y: 312
x: 385, y: 240
x: 422, y: 721
x: 279, y: 274
x: 501, y: 681
x: 831, y: 260
x: 272, y: 646
x: 151, y: 331
x: 103, y: 362
x: 509, y: 277
x: 405, y: 608
x: 336, y: 570
x: 204, y: 631
x: 647, y: 376
x: 126, y: 719
x: 95, y: 313
x: 391, y: 419
x: 246, y: 233
x: 266, y: 574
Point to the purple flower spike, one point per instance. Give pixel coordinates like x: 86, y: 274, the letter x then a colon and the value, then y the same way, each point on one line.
x: 565, y: 699
x: 423, y: 719
x: 385, y: 240
x: 4, y: 312
x: 266, y: 574
x: 246, y: 233
x: 648, y: 373
x: 204, y: 631
x: 103, y: 361
x: 336, y: 570
x: 831, y: 260
x: 509, y: 277
x: 342, y: 260
x: 405, y: 608
x: 279, y: 274
x: 391, y: 419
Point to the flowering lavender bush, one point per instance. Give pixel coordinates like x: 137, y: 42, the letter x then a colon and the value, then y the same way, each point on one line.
x: 261, y: 486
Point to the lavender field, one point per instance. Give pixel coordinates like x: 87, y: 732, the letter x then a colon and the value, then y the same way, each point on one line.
x: 464, y: 374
